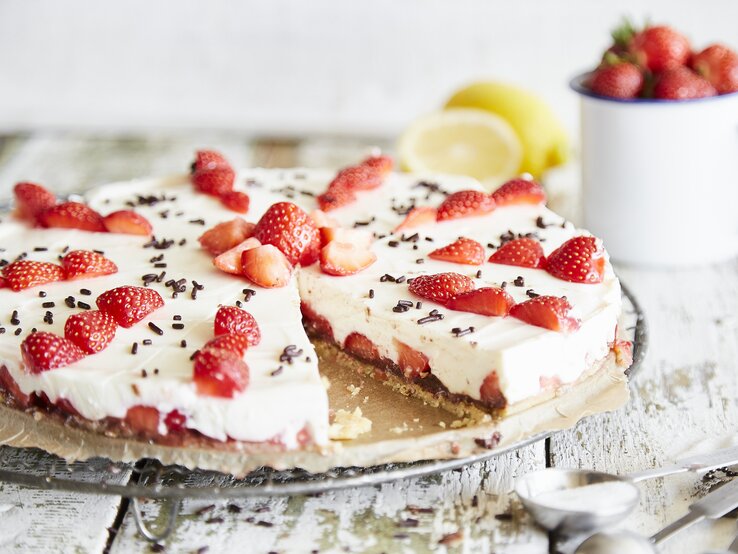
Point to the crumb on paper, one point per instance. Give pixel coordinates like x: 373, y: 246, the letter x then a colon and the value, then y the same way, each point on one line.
x: 466, y: 422
x: 349, y: 425
x: 326, y: 382
x: 353, y: 389
x: 400, y: 429
x: 366, y: 399
x: 416, y: 420
x: 442, y: 424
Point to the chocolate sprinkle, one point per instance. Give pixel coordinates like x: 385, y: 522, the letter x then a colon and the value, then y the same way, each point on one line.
x: 178, y: 326
x: 155, y: 328
x: 531, y: 294
x: 371, y: 293
x: 146, y: 342
x: 134, y: 348
x: 83, y: 305
x: 48, y: 304
x: 85, y: 292
x: 519, y: 281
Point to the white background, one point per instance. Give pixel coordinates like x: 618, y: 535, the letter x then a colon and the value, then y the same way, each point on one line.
x: 286, y: 67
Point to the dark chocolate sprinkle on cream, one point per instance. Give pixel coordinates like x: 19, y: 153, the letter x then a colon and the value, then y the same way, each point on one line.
x: 183, y: 343
x: 531, y: 294
x: 70, y: 301
x: 277, y: 371
x: 479, y: 274
x: 393, y: 244
x: 420, y: 261
x: 48, y: 304
x: 18, y: 331
x: 42, y: 294
x: 146, y: 342
x: 371, y: 293
x: 178, y: 326
x: 519, y: 281
x: 459, y: 332
x: 85, y: 292
x: 83, y: 305
x: 14, y: 318
x: 40, y: 249
x: 134, y: 348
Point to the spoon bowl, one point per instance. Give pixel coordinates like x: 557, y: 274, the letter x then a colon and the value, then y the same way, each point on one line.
x: 616, y: 542
x: 576, y: 500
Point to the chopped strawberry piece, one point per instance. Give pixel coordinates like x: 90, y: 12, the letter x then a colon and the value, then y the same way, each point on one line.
x: 440, y: 287
x: 215, y: 182
x: 84, y: 264
x: 175, y: 421
x: 357, y: 177
x: 143, y: 419
x: 128, y: 305
x: 361, y: 347
x: 230, y: 319
x: 465, y: 203
x: 343, y: 258
x: 463, y: 251
x: 72, y: 215
x: 383, y: 165
x: 266, y: 266
x: 490, y: 393
x: 43, y: 351
x: 24, y: 274
x: 357, y: 237
x: 322, y: 219
x: 230, y: 260
x: 336, y: 196
x: 226, y: 235
x: 549, y: 312
x: 492, y: 301
x: 236, y: 201
x: 9, y: 386
x: 579, y: 260
x: 32, y: 199
x: 91, y: 331
x: 207, y: 160
x: 287, y: 227
x: 519, y: 191
x: 220, y: 372
x: 235, y: 342
x: 127, y: 222
x: 623, y: 350
x: 414, y: 364
x: 523, y: 252
x: 417, y: 216
x: 316, y: 323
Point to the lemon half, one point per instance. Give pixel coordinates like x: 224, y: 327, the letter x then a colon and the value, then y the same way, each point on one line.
x: 463, y: 142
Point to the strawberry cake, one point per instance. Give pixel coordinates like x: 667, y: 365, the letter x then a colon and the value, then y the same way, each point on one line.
x: 188, y: 310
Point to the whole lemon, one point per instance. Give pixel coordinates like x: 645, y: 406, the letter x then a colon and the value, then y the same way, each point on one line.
x: 545, y: 143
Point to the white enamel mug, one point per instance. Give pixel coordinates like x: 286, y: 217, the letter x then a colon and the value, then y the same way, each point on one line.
x: 660, y: 177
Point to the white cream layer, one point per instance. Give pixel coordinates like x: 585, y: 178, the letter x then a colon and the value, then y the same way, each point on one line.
x: 110, y: 382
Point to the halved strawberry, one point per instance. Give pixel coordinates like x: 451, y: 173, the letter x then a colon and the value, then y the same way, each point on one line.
x: 322, y: 219
x: 207, y: 160
x: 127, y: 222
x: 235, y: 342
x: 343, y: 258
x: 215, y: 182
x: 287, y: 227
x: 492, y: 301
x: 143, y: 419
x: 42, y: 351
x: 361, y: 347
x: 175, y: 421
x: 336, y: 196
x: 465, y: 203
x: 490, y: 393
x: 357, y: 237
x: 549, y: 312
x: 358, y: 177
x: 421, y: 215
x: 230, y: 260
x: 32, y: 199
x: 128, y: 305
x: 91, y: 331
x: 84, y: 264
x: 519, y: 191
x: 72, y: 215
x: 220, y: 372
x: 579, y: 260
x: 226, y: 235
x: 383, y: 165
x: 312, y: 252
x: 231, y: 319
x: 414, y: 364
x: 266, y: 266
x: 462, y: 251
x: 523, y: 252
x: 236, y: 201
x: 24, y: 274
x: 440, y: 287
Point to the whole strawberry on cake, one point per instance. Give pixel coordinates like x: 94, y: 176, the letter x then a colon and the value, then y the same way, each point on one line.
x: 187, y: 311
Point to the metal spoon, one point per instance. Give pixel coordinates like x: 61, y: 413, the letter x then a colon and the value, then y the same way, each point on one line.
x: 618, y: 496
x: 714, y: 505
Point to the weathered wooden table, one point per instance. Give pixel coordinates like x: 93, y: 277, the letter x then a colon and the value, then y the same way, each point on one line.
x: 685, y: 400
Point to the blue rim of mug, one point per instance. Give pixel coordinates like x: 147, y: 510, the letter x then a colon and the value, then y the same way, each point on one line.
x: 577, y: 85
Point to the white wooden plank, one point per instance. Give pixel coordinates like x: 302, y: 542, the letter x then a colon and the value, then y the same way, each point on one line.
x: 367, y: 519
x: 33, y: 520
x: 684, y: 399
